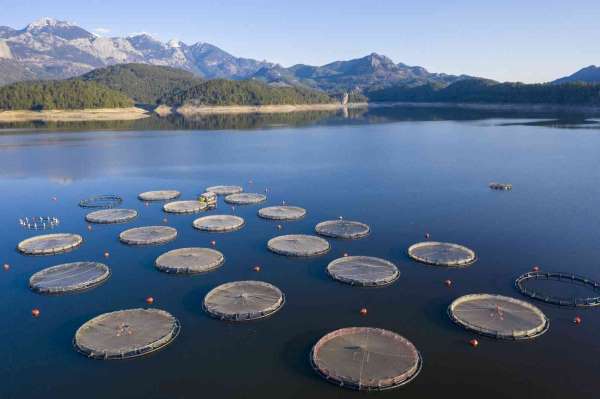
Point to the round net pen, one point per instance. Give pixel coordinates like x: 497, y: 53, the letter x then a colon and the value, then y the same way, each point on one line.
x: 69, y: 277
x: 101, y: 201
x: 109, y: 216
x: 283, y: 212
x: 219, y: 223
x: 50, y: 244
x: 442, y: 254
x: 366, y: 359
x: 39, y: 222
x: 148, y: 235
x: 191, y: 206
x: 224, y: 190
x: 159, y: 195
x: 364, y: 271
x: 498, y: 316
x: 298, y: 245
x: 347, y: 229
x: 245, y: 198
x: 190, y: 261
x: 243, y: 300
x: 563, y: 289
x: 126, y: 333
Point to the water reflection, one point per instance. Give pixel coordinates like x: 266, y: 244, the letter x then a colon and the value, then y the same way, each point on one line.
x: 375, y: 114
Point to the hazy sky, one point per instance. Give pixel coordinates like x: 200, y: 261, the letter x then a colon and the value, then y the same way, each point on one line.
x: 525, y: 40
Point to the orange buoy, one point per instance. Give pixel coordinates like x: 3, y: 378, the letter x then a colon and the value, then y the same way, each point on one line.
x: 35, y: 312
x: 106, y: 254
x: 448, y: 283
x: 150, y: 300
x: 213, y: 243
x: 6, y: 267
x: 363, y: 312
x: 577, y: 320
x: 427, y: 236
x: 474, y: 343
x: 536, y: 269
x: 256, y: 268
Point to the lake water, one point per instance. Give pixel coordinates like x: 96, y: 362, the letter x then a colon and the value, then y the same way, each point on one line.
x: 405, y: 172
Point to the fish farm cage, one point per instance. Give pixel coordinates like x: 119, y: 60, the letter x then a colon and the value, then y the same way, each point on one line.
x: 549, y: 296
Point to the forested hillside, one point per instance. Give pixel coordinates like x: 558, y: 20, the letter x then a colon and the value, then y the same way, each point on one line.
x: 228, y: 92
x: 143, y: 83
x: 61, y: 94
x: 488, y: 91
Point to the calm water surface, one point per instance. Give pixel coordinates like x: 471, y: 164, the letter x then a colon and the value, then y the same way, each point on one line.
x: 413, y: 174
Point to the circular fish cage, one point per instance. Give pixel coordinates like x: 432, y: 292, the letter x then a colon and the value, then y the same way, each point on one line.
x: 366, y: 359
x: 498, y: 316
x: 39, y: 222
x: 365, y: 271
x: 225, y: 190
x: 50, y: 244
x: 191, y: 206
x: 190, y: 261
x: 298, y: 245
x: 343, y: 229
x: 282, y: 212
x: 442, y: 254
x: 126, y: 333
x: 159, y: 195
x: 245, y: 198
x: 109, y: 216
x: 69, y: 277
x: 148, y: 235
x: 101, y: 201
x: 243, y: 300
x: 563, y: 289
x: 219, y: 223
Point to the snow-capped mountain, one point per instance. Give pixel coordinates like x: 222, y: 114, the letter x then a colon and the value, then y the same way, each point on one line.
x: 49, y: 48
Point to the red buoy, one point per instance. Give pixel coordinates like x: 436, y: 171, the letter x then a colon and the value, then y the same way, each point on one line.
x: 106, y: 254
x: 474, y: 343
x: 6, y: 267
x: 256, y: 268
x: 577, y: 320
x: 363, y: 312
x: 213, y: 243
x: 150, y: 300
x: 536, y: 269
x: 448, y: 283
x: 35, y: 312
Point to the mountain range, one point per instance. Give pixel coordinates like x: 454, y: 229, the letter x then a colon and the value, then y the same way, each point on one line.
x: 52, y: 49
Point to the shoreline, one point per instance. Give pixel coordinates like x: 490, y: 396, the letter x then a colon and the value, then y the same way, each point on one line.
x: 75, y: 115
x: 541, y: 107
x: 188, y: 110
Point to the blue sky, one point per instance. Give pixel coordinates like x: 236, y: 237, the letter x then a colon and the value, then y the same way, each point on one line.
x: 526, y: 40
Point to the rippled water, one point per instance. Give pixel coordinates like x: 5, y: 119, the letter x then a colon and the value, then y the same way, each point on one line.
x: 405, y: 172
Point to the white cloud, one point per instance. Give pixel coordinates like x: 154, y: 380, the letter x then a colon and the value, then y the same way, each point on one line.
x: 101, y: 31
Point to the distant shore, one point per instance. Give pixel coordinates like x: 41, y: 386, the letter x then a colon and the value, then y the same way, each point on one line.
x: 188, y: 110
x: 77, y: 115
x: 541, y: 107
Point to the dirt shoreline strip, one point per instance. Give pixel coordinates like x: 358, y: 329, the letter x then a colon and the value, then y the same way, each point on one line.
x: 60, y: 115
x: 261, y: 109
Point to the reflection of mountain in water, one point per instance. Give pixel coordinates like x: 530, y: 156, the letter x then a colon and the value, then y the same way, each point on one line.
x: 385, y: 114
